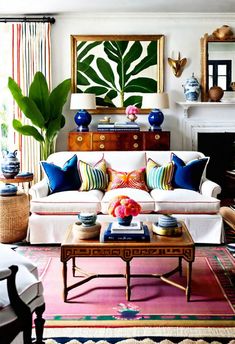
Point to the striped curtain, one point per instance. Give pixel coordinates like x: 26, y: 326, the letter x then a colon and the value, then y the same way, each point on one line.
x: 31, y: 52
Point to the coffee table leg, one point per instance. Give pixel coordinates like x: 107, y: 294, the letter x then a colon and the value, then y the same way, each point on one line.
x: 65, y: 280
x: 128, y: 291
x: 189, y: 278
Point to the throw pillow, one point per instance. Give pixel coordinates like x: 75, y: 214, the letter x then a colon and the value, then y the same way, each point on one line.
x: 134, y: 179
x: 159, y: 177
x: 62, y: 179
x: 188, y: 176
x: 93, y: 177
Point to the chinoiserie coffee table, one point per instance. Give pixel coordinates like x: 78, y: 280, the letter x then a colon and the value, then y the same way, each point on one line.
x: 181, y: 247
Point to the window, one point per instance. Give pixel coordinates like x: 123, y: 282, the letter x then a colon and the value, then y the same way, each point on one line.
x: 219, y: 74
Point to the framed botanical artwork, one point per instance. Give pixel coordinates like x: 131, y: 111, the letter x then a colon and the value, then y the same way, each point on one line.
x: 117, y: 69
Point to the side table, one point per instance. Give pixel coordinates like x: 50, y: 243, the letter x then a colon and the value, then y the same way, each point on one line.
x: 14, y: 217
x: 17, y: 180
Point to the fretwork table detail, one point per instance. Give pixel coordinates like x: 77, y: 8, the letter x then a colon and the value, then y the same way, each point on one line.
x: 181, y: 247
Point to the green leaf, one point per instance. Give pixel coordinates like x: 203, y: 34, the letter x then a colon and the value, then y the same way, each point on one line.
x: 39, y: 93
x: 149, y: 60
x: 88, y: 59
x: 54, y: 127
x: 111, y: 56
x: 81, y: 80
x: 98, y: 90
x: 84, y: 52
x: 106, y: 70
x: 133, y: 100
x: 58, y: 98
x: 91, y: 74
x: 102, y: 102
x: 15, y: 90
x: 144, y: 85
x: 27, y: 130
x: 132, y: 55
x: 112, y: 94
x: 121, y: 46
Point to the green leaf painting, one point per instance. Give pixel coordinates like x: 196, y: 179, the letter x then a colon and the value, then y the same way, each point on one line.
x: 118, y: 71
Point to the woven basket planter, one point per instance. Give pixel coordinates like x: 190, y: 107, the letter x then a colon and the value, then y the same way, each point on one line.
x: 14, y: 217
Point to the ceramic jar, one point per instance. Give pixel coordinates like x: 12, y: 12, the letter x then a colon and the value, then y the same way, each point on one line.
x: 10, y: 165
x: 191, y: 89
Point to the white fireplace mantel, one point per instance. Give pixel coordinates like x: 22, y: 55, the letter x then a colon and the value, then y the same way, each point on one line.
x: 187, y: 105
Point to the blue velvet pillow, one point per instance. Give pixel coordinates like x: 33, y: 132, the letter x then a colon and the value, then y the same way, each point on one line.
x: 63, y: 179
x: 188, y: 176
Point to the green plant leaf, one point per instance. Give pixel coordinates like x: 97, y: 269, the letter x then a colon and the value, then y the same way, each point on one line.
x: 54, y: 127
x: 88, y: 59
x: 121, y: 46
x: 132, y: 55
x: 81, y: 80
x: 58, y: 98
x: 111, y: 52
x: 149, y: 60
x: 27, y: 130
x: 15, y: 90
x: 91, y: 74
x: 144, y: 85
x: 39, y: 93
x: 89, y: 46
x: 133, y: 100
x: 106, y: 70
x: 98, y: 90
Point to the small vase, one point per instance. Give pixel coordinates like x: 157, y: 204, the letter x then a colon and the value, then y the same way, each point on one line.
x: 125, y: 221
x: 10, y: 165
x: 191, y: 89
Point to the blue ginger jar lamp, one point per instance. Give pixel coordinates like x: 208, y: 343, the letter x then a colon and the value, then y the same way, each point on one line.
x: 82, y: 102
x: 192, y: 89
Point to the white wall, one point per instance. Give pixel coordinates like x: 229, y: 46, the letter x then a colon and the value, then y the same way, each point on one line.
x: 182, y: 34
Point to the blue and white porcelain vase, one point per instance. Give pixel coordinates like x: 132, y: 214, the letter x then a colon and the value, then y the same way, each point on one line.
x: 192, y: 89
x: 10, y: 165
x: 125, y: 221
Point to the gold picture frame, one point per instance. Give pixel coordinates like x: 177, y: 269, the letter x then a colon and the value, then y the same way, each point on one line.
x: 117, y: 68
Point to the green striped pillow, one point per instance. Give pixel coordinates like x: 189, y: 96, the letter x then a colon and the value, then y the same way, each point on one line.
x: 93, y: 177
x: 159, y: 177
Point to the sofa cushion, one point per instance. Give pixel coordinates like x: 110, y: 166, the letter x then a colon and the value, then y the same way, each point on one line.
x: 142, y: 197
x: 159, y: 177
x: 62, y: 179
x: 93, y: 177
x: 133, y: 179
x: 67, y: 202
x: 188, y: 176
x: 183, y: 201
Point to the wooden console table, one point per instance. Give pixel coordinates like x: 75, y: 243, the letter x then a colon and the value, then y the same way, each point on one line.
x: 118, y: 140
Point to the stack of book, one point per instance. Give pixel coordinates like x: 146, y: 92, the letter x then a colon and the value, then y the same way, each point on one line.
x: 118, y: 126
x: 137, y: 231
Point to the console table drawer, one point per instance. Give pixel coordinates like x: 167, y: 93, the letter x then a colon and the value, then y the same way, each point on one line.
x: 80, y: 141
x: 157, y: 140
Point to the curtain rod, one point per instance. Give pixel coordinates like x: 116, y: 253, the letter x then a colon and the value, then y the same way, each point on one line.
x: 28, y: 19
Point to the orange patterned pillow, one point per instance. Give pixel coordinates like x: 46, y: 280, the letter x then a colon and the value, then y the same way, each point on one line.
x: 134, y: 179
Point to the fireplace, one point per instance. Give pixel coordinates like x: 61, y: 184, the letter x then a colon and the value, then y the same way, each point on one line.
x: 220, y: 147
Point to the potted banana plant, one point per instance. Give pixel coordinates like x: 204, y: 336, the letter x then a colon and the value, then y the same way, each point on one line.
x: 43, y: 108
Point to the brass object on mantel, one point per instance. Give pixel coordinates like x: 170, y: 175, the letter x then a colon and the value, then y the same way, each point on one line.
x: 223, y: 35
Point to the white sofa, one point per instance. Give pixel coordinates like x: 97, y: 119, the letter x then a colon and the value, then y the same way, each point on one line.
x: 52, y: 213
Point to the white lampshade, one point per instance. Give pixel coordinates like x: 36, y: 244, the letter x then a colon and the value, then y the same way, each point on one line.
x: 155, y: 101
x: 80, y: 101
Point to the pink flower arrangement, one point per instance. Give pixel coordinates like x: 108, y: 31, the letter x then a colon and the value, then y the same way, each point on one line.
x: 131, y: 112
x: 122, y: 206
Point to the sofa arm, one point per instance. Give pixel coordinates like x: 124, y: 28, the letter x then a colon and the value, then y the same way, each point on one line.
x: 209, y: 188
x: 40, y: 189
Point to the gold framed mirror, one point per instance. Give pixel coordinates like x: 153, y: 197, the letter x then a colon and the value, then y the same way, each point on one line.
x: 217, y: 60
x: 118, y: 69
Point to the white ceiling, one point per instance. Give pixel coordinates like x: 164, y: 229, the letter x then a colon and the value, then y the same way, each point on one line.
x: 21, y: 7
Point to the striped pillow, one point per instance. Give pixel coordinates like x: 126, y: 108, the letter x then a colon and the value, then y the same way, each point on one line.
x: 159, y: 177
x: 93, y: 177
x: 134, y: 179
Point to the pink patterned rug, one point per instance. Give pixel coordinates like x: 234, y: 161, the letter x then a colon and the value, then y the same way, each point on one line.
x: 101, y: 302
